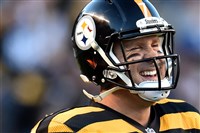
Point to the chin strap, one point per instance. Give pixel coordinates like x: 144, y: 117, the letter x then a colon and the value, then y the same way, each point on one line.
x: 146, y: 95
x: 98, y: 98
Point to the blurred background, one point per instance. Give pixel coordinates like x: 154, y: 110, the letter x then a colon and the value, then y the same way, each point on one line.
x: 39, y: 74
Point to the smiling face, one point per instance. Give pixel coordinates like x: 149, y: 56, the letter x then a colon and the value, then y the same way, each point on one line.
x: 142, y: 48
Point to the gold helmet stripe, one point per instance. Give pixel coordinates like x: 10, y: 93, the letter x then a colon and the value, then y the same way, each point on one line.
x: 143, y: 8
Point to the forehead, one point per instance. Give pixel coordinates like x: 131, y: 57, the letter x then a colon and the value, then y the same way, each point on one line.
x: 141, y: 40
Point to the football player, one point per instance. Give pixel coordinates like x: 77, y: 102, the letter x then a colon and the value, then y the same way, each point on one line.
x: 126, y: 48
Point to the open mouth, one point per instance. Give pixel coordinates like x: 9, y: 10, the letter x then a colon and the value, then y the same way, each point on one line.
x: 150, y: 75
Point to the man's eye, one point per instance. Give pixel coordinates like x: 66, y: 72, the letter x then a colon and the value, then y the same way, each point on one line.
x: 155, y: 45
x: 133, y: 56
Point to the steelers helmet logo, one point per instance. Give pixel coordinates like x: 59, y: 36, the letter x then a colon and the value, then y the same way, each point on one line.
x: 85, y: 32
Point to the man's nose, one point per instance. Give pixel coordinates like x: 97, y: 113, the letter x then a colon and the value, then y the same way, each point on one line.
x: 150, y: 52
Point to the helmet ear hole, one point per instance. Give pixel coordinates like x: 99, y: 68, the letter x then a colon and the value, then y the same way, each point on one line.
x: 92, y: 63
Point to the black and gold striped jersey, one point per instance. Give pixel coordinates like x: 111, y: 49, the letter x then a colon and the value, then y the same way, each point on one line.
x: 170, y: 116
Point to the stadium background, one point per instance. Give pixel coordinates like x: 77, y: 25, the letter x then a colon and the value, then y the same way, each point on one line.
x: 39, y: 74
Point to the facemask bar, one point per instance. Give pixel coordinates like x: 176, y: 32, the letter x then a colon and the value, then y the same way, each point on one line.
x: 172, y: 63
x: 172, y: 78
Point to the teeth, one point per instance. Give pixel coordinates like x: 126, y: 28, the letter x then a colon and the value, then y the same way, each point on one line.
x: 148, y: 73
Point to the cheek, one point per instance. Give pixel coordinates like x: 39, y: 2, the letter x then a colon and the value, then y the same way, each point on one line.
x: 163, y: 68
x: 134, y: 72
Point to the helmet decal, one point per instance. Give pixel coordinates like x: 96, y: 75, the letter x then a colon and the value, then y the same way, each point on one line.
x: 151, y: 21
x: 85, y: 32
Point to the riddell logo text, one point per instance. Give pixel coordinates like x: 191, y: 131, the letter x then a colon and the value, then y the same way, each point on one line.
x: 151, y: 21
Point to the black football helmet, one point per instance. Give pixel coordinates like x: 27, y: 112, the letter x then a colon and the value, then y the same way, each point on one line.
x: 102, y: 23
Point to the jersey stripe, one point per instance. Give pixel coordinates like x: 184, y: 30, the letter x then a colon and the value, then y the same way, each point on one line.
x: 87, y: 119
x: 181, y: 131
x: 43, y: 125
x: 117, y: 124
x: 170, y: 107
x: 166, y: 100
x: 63, y: 117
x: 143, y: 8
x: 180, y: 120
x: 55, y: 126
x: 35, y: 127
